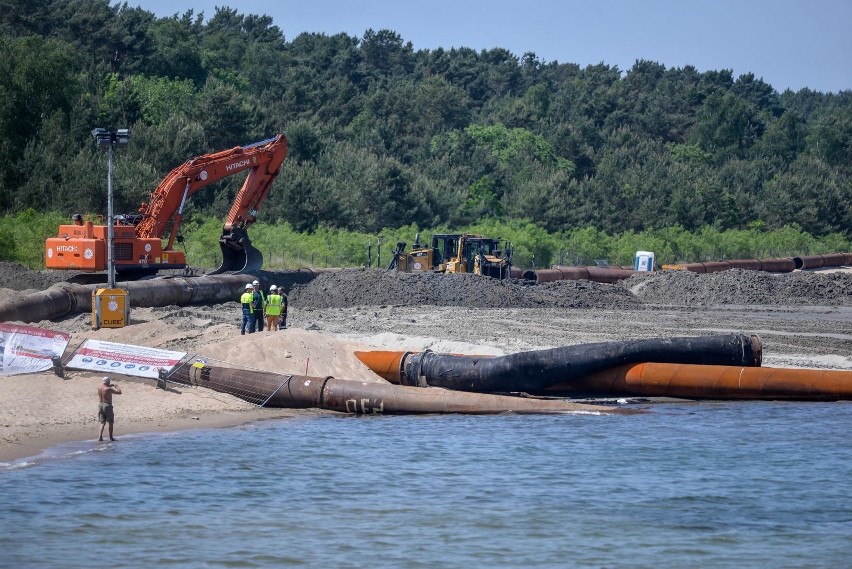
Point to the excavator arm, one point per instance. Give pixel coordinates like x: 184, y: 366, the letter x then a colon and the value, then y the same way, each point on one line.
x: 164, y: 212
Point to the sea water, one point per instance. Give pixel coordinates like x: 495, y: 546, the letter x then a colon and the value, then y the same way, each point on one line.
x: 743, y: 484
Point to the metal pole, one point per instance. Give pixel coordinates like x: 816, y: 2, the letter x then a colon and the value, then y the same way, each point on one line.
x: 110, y: 222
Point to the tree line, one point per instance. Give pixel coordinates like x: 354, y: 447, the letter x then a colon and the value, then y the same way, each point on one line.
x: 283, y: 247
x: 383, y: 136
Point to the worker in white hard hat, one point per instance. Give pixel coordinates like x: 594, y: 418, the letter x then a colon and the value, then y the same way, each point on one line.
x: 258, y: 303
x: 273, y: 309
x: 248, y: 310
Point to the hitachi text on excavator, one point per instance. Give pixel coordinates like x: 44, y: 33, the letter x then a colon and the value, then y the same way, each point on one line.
x: 138, y: 238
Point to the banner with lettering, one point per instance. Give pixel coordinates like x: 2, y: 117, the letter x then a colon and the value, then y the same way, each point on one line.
x: 27, y: 349
x: 126, y: 359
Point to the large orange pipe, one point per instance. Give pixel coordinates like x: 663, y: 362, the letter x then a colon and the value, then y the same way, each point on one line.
x: 678, y: 380
x: 384, y: 363
x: 716, y: 382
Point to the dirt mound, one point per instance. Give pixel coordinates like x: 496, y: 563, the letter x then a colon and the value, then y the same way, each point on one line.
x: 738, y: 286
x: 369, y: 287
x: 14, y: 276
x: 376, y: 287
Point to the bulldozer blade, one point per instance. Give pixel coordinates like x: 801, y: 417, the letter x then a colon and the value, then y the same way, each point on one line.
x: 238, y: 254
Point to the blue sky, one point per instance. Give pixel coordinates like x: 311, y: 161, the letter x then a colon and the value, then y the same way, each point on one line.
x: 790, y: 44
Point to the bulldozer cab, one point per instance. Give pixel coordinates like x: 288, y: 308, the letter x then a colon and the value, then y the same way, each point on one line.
x: 444, y: 248
x: 475, y: 246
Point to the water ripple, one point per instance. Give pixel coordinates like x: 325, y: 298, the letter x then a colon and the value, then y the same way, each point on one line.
x: 711, y: 485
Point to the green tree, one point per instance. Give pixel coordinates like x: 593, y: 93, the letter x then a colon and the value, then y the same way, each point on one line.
x: 37, y: 81
x: 176, y: 50
x: 725, y: 126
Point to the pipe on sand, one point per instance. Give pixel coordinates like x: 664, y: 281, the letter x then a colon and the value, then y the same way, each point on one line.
x: 536, y: 370
x: 692, y: 381
x: 366, y: 397
x: 65, y: 298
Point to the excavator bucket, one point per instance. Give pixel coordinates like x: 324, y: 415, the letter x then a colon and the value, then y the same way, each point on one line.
x: 238, y: 254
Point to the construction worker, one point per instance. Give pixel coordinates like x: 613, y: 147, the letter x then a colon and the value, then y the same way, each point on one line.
x: 248, y: 314
x: 273, y: 309
x: 258, y: 302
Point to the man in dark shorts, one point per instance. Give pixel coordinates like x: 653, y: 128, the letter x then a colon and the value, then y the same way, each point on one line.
x: 105, y: 412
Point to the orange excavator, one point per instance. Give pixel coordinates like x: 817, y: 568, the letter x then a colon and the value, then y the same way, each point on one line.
x: 138, y: 238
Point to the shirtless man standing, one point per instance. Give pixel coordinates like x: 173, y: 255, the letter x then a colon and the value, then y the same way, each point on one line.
x: 105, y: 413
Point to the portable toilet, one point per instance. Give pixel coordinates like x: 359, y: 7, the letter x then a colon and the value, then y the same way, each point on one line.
x: 644, y: 261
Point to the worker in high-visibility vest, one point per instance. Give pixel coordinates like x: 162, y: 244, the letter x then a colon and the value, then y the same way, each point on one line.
x: 248, y: 311
x: 258, y: 302
x: 273, y: 309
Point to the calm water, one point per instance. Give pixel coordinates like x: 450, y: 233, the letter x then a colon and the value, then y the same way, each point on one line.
x: 688, y: 485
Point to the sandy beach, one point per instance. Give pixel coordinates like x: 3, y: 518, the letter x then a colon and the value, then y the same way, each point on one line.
x: 41, y: 410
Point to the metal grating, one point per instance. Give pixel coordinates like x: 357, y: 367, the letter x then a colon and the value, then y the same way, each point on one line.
x: 246, y: 387
x: 123, y: 251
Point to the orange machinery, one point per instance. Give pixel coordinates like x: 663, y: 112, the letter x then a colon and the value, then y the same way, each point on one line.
x: 138, y: 238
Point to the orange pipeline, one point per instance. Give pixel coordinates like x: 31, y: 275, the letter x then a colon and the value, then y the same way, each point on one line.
x: 716, y: 382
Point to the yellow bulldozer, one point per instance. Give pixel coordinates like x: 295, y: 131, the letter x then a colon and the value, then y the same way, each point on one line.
x: 455, y: 253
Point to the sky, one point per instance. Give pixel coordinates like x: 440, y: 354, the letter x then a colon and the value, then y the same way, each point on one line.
x: 790, y: 44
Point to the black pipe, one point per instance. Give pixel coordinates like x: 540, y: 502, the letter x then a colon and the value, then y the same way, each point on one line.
x: 62, y: 299
x: 57, y: 301
x: 537, y: 370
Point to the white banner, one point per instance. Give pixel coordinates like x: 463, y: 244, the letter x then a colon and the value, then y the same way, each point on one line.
x: 27, y: 349
x: 109, y: 357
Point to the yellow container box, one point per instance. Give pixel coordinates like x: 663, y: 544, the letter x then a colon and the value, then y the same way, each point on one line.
x: 110, y: 308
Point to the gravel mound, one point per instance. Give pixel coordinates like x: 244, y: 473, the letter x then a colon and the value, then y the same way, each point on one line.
x: 739, y: 286
x: 370, y: 287
x: 15, y: 276
x: 377, y: 287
